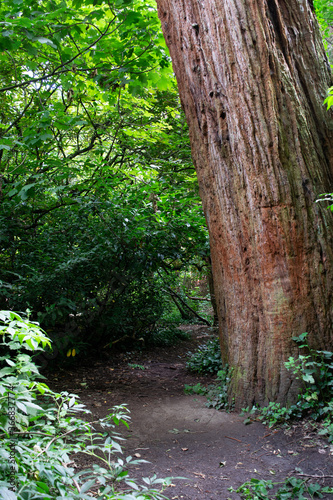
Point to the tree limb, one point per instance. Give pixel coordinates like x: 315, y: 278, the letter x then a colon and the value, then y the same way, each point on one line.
x: 198, y: 298
x: 172, y: 292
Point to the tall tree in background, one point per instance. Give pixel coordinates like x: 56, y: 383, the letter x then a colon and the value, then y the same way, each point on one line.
x: 252, y: 76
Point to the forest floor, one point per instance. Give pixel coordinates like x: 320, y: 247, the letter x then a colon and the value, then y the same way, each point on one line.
x: 179, y: 436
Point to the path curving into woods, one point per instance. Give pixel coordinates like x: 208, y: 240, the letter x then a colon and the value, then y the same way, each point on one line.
x: 179, y: 435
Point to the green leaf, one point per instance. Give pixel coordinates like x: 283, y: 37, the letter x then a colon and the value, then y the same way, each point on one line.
x: 86, y: 486
x: 7, y: 33
x: 22, y: 407
x: 44, y: 40
x: 29, y: 404
x: 308, y: 378
x: 7, y: 494
x: 42, y: 487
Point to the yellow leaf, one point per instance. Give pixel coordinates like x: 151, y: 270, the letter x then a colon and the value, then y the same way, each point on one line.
x: 69, y: 353
x: 73, y: 352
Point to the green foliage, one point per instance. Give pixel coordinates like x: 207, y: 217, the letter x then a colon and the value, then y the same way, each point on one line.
x: 324, y: 12
x: 329, y: 99
x: 164, y: 336
x: 41, y: 429
x: 274, y: 413
x: 207, y: 359
x: 315, y: 371
x: 217, y: 393
x: 326, y: 197
x: 293, y: 488
x: 99, y: 199
x: 136, y: 366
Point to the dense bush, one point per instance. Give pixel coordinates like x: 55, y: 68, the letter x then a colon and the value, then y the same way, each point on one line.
x: 99, y: 197
x: 105, y: 272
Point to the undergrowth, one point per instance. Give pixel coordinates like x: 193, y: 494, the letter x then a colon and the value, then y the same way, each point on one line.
x: 41, y: 430
x: 314, y: 369
x: 216, y: 393
x: 166, y: 336
x: 291, y: 488
x: 207, y: 359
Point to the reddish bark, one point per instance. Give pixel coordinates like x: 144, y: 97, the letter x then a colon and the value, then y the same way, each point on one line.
x: 252, y: 76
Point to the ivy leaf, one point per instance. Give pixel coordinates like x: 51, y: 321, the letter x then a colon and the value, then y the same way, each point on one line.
x: 308, y: 378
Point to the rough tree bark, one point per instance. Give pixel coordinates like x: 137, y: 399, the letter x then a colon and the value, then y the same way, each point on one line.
x: 252, y: 76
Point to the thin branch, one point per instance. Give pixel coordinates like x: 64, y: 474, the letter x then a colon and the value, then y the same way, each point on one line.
x: 19, y: 117
x: 315, y: 476
x: 93, y: 139
x: 27, y: 433
x: 107, y: 157
x: 88, y: 114
x: 55, y: 439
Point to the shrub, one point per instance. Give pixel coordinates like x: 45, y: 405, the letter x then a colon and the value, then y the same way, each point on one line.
x: 293, y: 487
x: 207, y: 359
x: 41, y: 429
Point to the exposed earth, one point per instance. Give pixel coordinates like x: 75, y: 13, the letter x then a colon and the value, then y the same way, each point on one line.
x: 180, y: 436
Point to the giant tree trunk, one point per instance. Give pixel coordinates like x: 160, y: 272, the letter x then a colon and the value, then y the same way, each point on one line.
x: 252, y: 76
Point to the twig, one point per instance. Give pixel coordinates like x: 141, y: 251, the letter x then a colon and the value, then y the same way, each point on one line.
x: 256, y: 451
x: 23, y: 433
x: 234, y: 439
x: 74, y: 481
x: 54, y: 439
x: 19, y: 117
x: 199, y: 474
x: 314, y: 476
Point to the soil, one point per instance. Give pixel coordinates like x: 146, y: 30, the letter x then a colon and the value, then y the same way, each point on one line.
x: 180, y: 436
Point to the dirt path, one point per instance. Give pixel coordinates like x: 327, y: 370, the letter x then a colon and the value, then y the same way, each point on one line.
x: 179, y: 436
